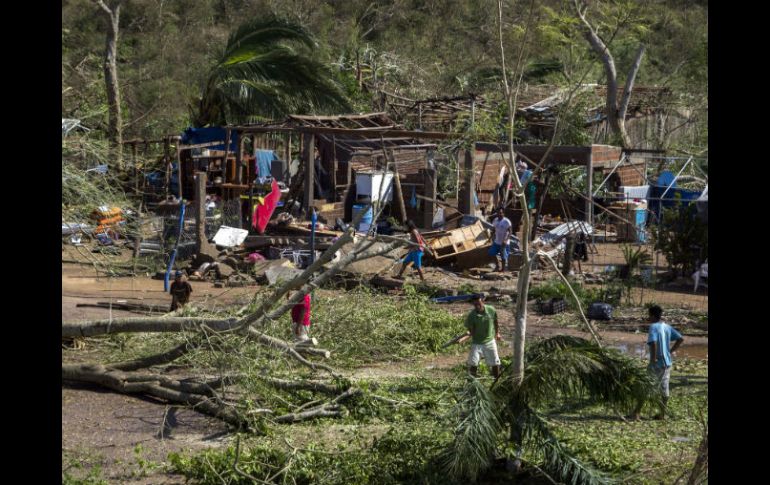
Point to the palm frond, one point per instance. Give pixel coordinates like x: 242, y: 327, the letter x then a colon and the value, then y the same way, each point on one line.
x: 577, y: 368
x: 257, y: 34
x: 475, y: 434
x: 556, y: 458
x: 260, y: 75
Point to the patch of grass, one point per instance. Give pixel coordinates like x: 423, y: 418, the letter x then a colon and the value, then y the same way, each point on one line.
x: 647, y: 451
x: 401, y: 455
x: 80, y: 469
x: 361, y: 326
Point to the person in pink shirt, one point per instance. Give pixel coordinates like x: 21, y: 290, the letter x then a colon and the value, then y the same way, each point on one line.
x: 300, y: 319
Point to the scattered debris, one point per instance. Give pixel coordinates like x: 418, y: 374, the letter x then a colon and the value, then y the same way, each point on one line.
x: 281, y: 273
x: 230, y: 236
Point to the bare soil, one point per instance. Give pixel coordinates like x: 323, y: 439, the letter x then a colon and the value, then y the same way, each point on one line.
x: 105, y: 428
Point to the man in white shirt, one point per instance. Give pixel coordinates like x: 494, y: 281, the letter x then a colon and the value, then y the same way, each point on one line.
x: 501, y: 245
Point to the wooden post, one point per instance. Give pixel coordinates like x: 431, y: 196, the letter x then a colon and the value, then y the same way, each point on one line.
x: 308, y: 194
x: 334, y: 169
x: 420, y: 115
x: 540, y: 203
x: 227, y: 153
x: 136, y: 168
x: 399, y: 194
x: 429, y: 206
x: 590, y: 191
x: 179, y: 167
x: 202, y: 245
x: 167, y: 159
x: 287, y: 173
x: 465, y: 202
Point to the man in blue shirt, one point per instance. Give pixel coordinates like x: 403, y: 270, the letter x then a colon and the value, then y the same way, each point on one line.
x: 659, y: 339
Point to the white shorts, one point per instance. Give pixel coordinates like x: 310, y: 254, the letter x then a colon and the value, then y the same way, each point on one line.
x: 489, y: 350
x: 299, y: 332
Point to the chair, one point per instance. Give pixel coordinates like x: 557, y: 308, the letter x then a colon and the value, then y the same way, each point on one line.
x: 702, y: 273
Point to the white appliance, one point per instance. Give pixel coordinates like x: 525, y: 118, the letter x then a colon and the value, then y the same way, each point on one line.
x: 374, y: 184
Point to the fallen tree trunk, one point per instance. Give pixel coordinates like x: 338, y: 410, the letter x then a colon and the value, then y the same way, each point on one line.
x: 154, y: 385
x: 199, y: 395
x: 138, y: 325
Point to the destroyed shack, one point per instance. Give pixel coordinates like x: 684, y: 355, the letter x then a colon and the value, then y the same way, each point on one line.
x: 486, y: 176
x: 328, y: 163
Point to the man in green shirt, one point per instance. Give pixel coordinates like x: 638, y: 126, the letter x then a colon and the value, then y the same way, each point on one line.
x: 483, y: 330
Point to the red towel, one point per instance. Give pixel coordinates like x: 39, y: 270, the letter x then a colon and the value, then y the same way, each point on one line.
x: 263, y: 213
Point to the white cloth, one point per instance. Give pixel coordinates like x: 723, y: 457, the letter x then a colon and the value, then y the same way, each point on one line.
x: 489, y: 350
x: 501, y: 229
x: 703, y: 272
x: 300, y: 332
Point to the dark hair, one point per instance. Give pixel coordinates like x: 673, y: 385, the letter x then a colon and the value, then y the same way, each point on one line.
x: 479, y: 296
x: 655, y: 311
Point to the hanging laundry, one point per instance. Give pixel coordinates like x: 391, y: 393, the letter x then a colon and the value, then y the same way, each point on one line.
x: 264, y: 211
x: 264, y: 161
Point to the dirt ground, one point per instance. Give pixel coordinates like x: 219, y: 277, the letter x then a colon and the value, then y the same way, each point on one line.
x: 105, y: 428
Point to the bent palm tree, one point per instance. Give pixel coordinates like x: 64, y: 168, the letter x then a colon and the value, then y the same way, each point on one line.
x: 262, y: 74
x: 559, y: 367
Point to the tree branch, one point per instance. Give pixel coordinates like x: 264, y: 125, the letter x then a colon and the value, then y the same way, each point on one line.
x: 630, y: 83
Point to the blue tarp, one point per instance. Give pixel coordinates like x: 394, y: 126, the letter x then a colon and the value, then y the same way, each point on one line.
x: 686, y: 196
x: 195, y: 136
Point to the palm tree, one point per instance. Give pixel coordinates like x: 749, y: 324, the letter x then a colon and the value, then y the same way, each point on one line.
x: 560, y: 367
x: 262, y: 74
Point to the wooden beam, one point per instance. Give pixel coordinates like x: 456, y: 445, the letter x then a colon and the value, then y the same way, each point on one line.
x: 429, y: 207
x: 465, y: 200
x: 429, y: 135
x: 308, y: 194
x: 201, y: 145
x: 337, y: 117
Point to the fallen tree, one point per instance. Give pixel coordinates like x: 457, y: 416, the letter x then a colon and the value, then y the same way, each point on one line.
x: 225, y: 337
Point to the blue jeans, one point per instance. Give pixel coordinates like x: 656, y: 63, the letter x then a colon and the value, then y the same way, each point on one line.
x: 503, y: 249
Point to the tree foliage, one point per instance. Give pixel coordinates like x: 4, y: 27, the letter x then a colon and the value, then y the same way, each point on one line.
x: 558, y: 368
x: 166, y: 49
x: 682, y: 237
x: 263, y: 72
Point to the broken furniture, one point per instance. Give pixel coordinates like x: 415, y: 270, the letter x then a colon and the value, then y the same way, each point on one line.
x: 447, y: 244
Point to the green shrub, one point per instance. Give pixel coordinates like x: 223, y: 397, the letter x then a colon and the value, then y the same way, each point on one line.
x: 556, y: 288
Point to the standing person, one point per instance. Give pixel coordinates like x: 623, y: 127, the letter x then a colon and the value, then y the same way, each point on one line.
x: 580, y: 252
x: 501, y: 246
x: 300, y: 319
x: 483, y: 330
x: 659, y: 340
x: 180, y: 291
x: 414, y: 255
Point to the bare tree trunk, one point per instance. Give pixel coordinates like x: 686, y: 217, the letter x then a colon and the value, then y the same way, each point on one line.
x: 522, y: 286
x: 115, y: 128
x: 616, y: 112
x: 629, y: 87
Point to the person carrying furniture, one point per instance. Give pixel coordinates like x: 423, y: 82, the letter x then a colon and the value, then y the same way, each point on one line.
x: 415, y: 253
